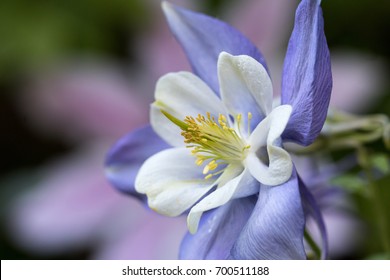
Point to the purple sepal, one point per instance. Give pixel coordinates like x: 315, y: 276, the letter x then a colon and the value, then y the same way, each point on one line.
x: 203, y: 38
x: 307, y: 77
x: 276, y: 227
x: 312, y: 209
x: 126, y: 157
x: 218, y: 230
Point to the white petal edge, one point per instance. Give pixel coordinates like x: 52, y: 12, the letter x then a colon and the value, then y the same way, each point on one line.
x: 181, y: 94
x: 245, y: 85
x: 239, y: 186
x: 172, y: 181
x: 267, y: 134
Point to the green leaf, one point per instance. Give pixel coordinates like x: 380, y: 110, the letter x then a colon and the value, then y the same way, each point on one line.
x: 351, y: 183
x: 379, y: 256
x: 381, y: 162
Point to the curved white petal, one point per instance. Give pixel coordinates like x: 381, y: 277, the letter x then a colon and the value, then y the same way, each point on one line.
x: 267, y: 161
x: 172, y: 181
x: 181, y: 94
x: 242, y: 185
x: 245, y: 86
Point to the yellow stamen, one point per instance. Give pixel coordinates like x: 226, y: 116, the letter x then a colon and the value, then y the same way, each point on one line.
x: 212, y: 165
x: 206, y: 169
x: 213, y: 140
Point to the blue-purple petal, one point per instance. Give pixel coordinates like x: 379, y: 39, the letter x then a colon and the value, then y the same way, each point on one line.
x: 312, y: 209
x: 203, y: 38
x: 307, y: 77
x: 218, y: 230
x: 276, y: 227
x: 127, y: 155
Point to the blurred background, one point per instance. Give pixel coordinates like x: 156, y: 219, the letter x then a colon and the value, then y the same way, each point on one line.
x: 77, y: 75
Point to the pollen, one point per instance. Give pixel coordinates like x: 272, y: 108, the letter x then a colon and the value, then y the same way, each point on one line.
x: 213, y: 141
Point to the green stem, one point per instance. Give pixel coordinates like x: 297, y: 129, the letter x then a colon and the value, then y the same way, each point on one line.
x: 376, y: 199
x: 313, y: 245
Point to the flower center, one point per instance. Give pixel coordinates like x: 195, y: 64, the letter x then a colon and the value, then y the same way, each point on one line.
x: 213, y: 141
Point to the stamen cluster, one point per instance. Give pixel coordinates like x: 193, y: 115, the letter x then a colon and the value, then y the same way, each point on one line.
x: 214, y: 140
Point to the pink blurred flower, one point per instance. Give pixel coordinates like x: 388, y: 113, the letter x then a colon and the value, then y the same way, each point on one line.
x: 92, y: 105
x: 74, y: 206
x: 83, y: 102
x: 358, y: 80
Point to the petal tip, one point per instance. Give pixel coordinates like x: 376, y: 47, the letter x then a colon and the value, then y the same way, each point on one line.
x: 170, y: 10
x: 224, y: 54
x: 193, y: 222
x: 166, y: 6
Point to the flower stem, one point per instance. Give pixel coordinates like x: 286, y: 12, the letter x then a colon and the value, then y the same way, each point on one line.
x: 382, y: 222
x: 313, y: 245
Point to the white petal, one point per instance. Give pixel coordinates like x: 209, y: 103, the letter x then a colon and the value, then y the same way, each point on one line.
x: 267, y: 135
x: 172, y: 181
x: 245, y: 86
x: 239, y: 186
x: 181, y: 94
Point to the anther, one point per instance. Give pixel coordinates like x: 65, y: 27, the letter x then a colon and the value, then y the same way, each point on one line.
x: 249, y: 120
x: 212, y: 138
x: 247, y: 147
x: 213, y: 165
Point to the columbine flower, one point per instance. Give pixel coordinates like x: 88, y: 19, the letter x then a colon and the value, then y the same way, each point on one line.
x: 228, y: 167
x: 188, y: 114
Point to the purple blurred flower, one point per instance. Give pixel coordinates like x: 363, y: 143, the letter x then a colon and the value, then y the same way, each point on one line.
x: 266, y: 219
x: 344, y: 229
